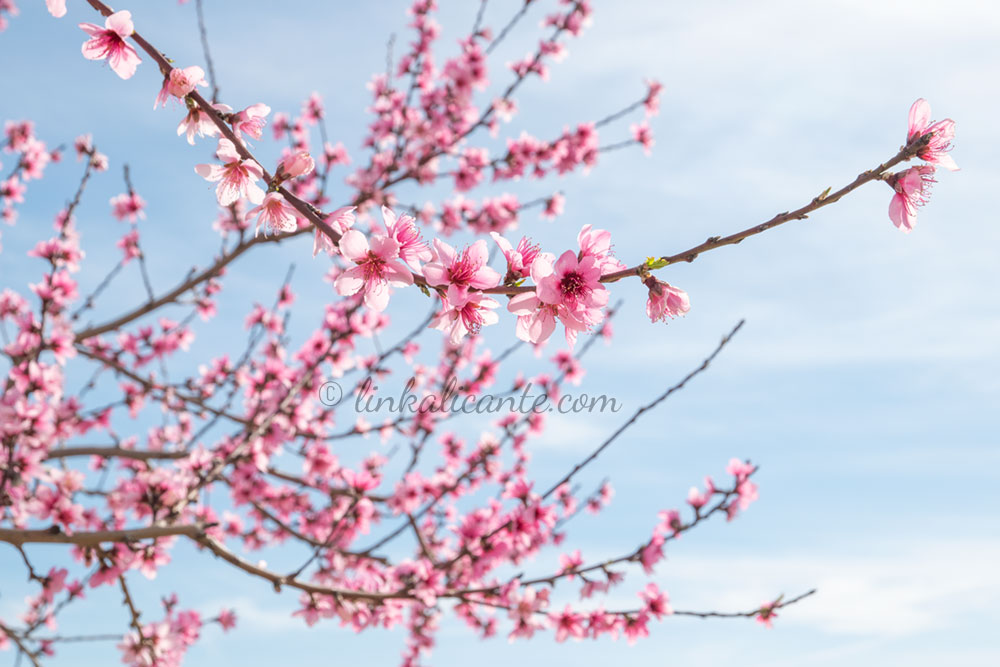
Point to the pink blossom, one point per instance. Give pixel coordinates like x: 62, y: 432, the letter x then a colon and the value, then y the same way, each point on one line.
x: 128, y: 205
x: 251, y: 120
x: 297, y: 164
x: 767, y: 613
x: 574, y: 286
x: 237, y: 177
x: 376, y: 268
x: 340, y: 220
x: 554, y: 206
x: 942, y: 132
x: 227, y: 619
x: 519, y: 259
x: 274, y: 214
x: 180, y: 83
x: 643, y: 135
x: 412, y: 249
x: 129, y: 245
x: 466, y: 269
x: 109, y: 43
x: 656, y: 602
x: 913, y: 187
x: 197, y: 122
x: 665, y: 300
x: 652, y: 101
x: 463, y: 313
x: 568, y: 624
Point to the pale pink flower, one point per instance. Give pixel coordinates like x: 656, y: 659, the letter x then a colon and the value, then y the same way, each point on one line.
x: 109, y: 43
x: 519, y: 259
x: 56, y: 7
x: 912, y: 188
x: 665, y: 300
x: 573, y: 283
x: 297, y: 164
x: 642, y: 134
x: 128, y: 205
x: 463, y: 312
x: 376, y: 268
x: 227, y: 619
x: 412, y: 248
x: 180, y: 83
x: 274, y: 214
x: 657, y: 602
x: 251, y: 120
x: 340, y: 220
x: 942, y: 132
x: 237, y: 178
x: 197, y: 122
x: 535, y: 320
x: 466, y: 269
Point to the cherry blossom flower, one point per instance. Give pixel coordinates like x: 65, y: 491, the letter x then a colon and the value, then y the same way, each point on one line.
x: 128, y: 206
x: 108, y: 43
x: 340, y: 220
x: 376, y: 268
x: 665, y: 300
x: 463, y: 313
x: 643, y: 135
x: 412, y: 249
x: 519, y: 259
x: 657, y: 602
x: 197, y: 122
x: 180, y: 83
x: 297, y: 164
x: 237, y: 177
x: 942, y: 132
x: 466, y: 269
x: 573, y: 286
x: 251, y: 120
x: 274, y: 214
x: 912, y: 188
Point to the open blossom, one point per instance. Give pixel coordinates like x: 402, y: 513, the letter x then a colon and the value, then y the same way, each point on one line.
x: 274, y: 214
x: 642, y: 134
x: 575, y: 284
x: 912, y: 188
x: 466, y: 269
x: 340, y: 220
x: 297, y: 164
x: 942, y: 132
x: 109, y: 43
x: 376, y: 268
x: 665, y: 300
x: 463, y: 312
x: 237, y: 178
x: 180, y: 83
x: 412, y: 248
x: 251, y: 120
x: 519, y: 259
x: 128, y: 205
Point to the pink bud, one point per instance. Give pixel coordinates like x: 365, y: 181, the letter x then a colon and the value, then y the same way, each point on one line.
x: 297, y: 164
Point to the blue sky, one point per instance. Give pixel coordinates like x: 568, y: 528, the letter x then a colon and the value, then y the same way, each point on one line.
x: 864, y: 382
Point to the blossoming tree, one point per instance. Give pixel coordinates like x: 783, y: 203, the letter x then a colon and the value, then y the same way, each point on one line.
x: 247, y: 455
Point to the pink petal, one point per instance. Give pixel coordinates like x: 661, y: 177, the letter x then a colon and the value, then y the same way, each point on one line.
x: 121, y: 22
x: 210, y: 172
x: 396, y: 274
x: 350, y: 281
x: 920, y: 118
x: 353, y: 245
